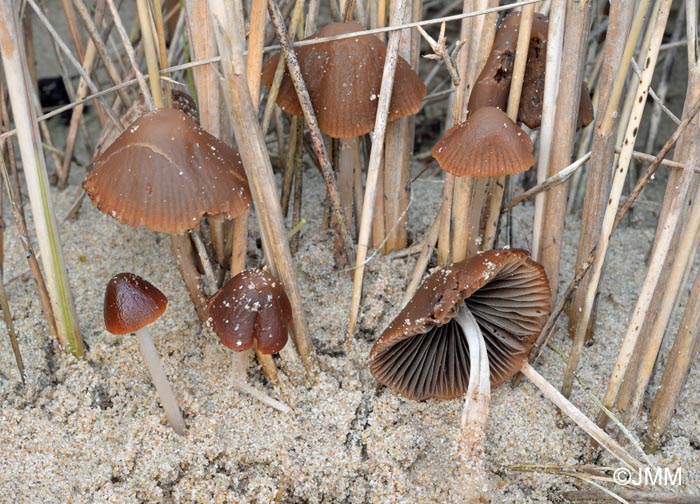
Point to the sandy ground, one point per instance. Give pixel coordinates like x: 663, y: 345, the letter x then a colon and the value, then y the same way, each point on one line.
x: 92, y: 431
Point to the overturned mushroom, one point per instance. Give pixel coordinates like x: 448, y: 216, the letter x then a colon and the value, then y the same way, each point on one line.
x: 501, y: 297
x: 131, y: 304
x: 251, y: 310
x: 487, y: 144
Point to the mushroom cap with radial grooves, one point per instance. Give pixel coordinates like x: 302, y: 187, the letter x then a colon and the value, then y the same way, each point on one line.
x: 487, y: 144
x: 343, y: 78
x: 166, y: 173
x: 251, y: 306
x: 131, y: 303
x: 424, y: 354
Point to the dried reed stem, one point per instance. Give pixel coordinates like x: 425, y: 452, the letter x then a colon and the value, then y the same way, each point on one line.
x: 555, y: 39
x: 310, y: 117
x: 516, y: 85
x: 37, y: 181
x: 603, y: 145
x: 400, y: 14
x: 251, y: 143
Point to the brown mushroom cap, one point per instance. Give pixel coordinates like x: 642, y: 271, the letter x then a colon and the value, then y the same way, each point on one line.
x: 251, y: 306
x: 423, y: 353
x: 131, y: 303
x: 487, y: 144
x: 166, y: 173
x: 343, y: 78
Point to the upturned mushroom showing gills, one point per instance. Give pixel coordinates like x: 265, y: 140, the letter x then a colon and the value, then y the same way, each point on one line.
x: 487, y: 144
x: 131, y: 304
x: 251, y: 310
x: 494, y: 304
x: 343, y: 78
x: 166, y: 173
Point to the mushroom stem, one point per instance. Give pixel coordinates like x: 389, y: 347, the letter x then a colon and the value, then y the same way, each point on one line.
x: 476, y: 405
x: 239, y: 372
x: 167, y: 398
x: 577, y: 416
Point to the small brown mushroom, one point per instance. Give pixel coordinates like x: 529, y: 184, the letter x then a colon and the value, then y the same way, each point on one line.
x: 251, y: 310
x: 343, y: 78
x: 131, y: 304
x: 166, y: 173
x: 487, y: 144
x: 492, y: 86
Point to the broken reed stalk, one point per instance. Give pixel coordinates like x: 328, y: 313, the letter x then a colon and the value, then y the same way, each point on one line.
x: 637, y: 496
x: 256, y: 40
x: 466, y: 199
x: 555, y: 39
x: 11, y: 333
x: 398, y: 149
x: 89, y: 60
x: 312, y: 123
x: 399, y: 16
x: 493, y: 212
x: 688, y: 152
x: 150, y: 51
x: 681, y: 358
x: 603, y: 143
x: 652, y: 51
x: 228, y: 28
x: 202, y: 45
x: 423, y: 260
x: 37, y: 181
x: 662, y: 290
x: 578, y: 21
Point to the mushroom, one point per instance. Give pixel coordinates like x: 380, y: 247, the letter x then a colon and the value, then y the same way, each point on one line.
x: 131, y: 305
x: 251, y: 310
x: 499, y: 301
x: 343, y: 78
x: 487, y: 144
x: 166, y: 173
x: 492, y: 86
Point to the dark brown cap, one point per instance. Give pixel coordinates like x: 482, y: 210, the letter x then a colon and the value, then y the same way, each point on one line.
x: 131, y: 303
x: 166, y: 173
x: 487, y: 144
x: 423, y: 353
x: 343, y: 78
x: 251, y: 306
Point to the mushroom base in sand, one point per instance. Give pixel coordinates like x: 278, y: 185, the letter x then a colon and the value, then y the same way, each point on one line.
x: 239, y: 372
x: 472, y: 422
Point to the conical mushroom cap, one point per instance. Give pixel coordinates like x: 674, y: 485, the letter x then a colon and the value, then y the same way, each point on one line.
x: 131, y: 303
x: 166, y: 173
x: 487, y: 144
x: 343, y: 78
x: 423, y: 353
x: 251, y: 306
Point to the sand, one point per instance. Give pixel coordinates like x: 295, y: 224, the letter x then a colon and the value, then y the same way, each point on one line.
x: 91, y: 430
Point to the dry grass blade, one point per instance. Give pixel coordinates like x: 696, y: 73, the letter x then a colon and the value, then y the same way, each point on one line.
x: 311, y: 121
x: 38, y: 183
x: 375, y: 159
x: 256, y: 160
x: 5, y: 306
x: 652, y: 51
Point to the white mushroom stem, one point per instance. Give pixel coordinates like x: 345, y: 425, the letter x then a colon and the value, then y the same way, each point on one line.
x: 470, y: 419
x: 476, y: 405
x: 167, y: 398
x: 239, y: 375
